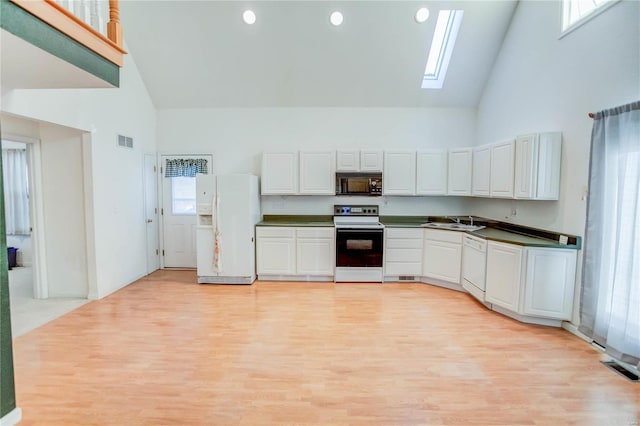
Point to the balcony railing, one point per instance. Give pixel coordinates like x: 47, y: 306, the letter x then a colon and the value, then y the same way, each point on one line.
x: 93, y: 23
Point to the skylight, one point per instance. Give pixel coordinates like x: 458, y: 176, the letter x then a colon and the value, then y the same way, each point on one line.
x: 444, y: 38
x: 575, y: 12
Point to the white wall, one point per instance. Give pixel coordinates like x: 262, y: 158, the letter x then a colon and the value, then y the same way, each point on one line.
x: 116, y: 227
x: 237, y: 136
x: 542, y: 83
x: 64, y: 213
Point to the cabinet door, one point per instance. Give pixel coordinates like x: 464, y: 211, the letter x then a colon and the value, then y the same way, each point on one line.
x: 347, y: 161
x: 549, y: 283
x: 549, y: 160
x: 525, y: 166
x: 431, y: 172
x: 399, y: 173
x: 502, y: 169
x: 315, y: 256
x: 481, y: 186
x: 371, y: 161
x: 275, y: 251
x: 279, y: 173
x: 317, y: 173
x: 442, y: 260
x: 460, y: 163
x: 503, y: 280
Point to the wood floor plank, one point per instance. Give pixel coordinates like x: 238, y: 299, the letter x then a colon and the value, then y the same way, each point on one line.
x: 167, y: 351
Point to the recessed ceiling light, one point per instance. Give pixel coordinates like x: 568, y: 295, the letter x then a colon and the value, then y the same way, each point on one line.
x: 336, y: 18
x: 422, y: 15
x: 249, y: 17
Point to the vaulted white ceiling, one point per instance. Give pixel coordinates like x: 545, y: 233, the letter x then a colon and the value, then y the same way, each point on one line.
x: 199, y: 54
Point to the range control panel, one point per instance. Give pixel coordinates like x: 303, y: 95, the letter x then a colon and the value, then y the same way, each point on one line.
x: 355, y: 210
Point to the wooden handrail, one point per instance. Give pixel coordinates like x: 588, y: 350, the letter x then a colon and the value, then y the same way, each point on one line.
x: 114, y: 29
x: 60, y: 18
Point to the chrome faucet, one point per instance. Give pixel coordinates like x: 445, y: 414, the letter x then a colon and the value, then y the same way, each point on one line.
x: 471, y: 219
x: 453, y: 219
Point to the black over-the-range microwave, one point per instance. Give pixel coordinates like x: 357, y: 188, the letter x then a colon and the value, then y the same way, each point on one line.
x: 359, y: 184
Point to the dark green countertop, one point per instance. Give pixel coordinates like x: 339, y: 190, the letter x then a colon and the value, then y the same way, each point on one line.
x: 296, y: 220
x: 494, y: 230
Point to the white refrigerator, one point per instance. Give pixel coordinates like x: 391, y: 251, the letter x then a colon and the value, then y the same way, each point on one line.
x: 228, y: 208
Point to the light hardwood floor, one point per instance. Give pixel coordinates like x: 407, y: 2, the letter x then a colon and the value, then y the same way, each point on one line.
x: 167, y: 351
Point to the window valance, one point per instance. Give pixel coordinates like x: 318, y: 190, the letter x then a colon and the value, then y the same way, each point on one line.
x: 185, y: 167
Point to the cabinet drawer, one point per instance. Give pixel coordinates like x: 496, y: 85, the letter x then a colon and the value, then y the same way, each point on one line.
x: 403, y: 255
x: 275, y: 232
x: 393, y: 243
x: 315, y: 232
x: 440, y: 235
x: 404, y: 233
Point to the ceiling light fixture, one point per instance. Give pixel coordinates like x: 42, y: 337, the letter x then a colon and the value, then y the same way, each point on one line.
x: 249, y: 17
x: 336, y: 18
x: 422, y: 15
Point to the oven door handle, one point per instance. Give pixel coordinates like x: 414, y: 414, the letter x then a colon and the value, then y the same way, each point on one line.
x: 356, y: 230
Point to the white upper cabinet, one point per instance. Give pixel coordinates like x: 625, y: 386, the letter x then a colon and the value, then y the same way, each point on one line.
x: 537, y: 166
x: 359, y: 161
x: 431, y: 172
x: 347, y: 161
x: 371, y: 161
x: 399, y: 173
x: 460, y: 164
x: 502, y: 169
x: 481, y: 185
x: 279, y: 173
x: 317, y: 173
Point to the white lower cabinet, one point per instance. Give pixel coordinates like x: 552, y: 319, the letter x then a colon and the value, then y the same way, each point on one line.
x: 403, y: 252
x: 534, y: 282
x: 504, y: 268
x: 315, y: 250
x: 442, y: 255
x: 275, y: 250
x: 295, y: 251
x: 549, y: 283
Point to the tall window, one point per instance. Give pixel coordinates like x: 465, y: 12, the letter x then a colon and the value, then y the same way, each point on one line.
x: 16, y: 191
x: 576, y: 12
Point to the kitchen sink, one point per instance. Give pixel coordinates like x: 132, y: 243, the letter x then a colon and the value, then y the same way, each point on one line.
x: 452, y: 226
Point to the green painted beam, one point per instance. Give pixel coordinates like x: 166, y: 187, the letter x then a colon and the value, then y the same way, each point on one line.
x: 7, y: 384
x: 22, y: 24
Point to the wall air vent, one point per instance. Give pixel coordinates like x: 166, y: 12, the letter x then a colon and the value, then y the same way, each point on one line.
x: 125, y: 141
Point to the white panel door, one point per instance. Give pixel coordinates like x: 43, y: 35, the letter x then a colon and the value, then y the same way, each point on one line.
x: 314, y: 256
x: 431, y: 172
x: 442, y: 260
x: 481, y: 182
x: 502, y: 169
x: 371, y: 161
x: 347, y: 161
x: 276, y: 256
x: 504, y: 267
x: 399, y: 173
x: 279, y: 173
x: 460, y: 165
x: 550, y: 282
x: 317, y: 173
x: 525, y: 166
x: 179, y: 217
x: 548, y: 167
x: 151, y: 212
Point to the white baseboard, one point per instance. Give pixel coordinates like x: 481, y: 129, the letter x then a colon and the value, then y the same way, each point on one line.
x: 573, y: 329
x: 12, y: 418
